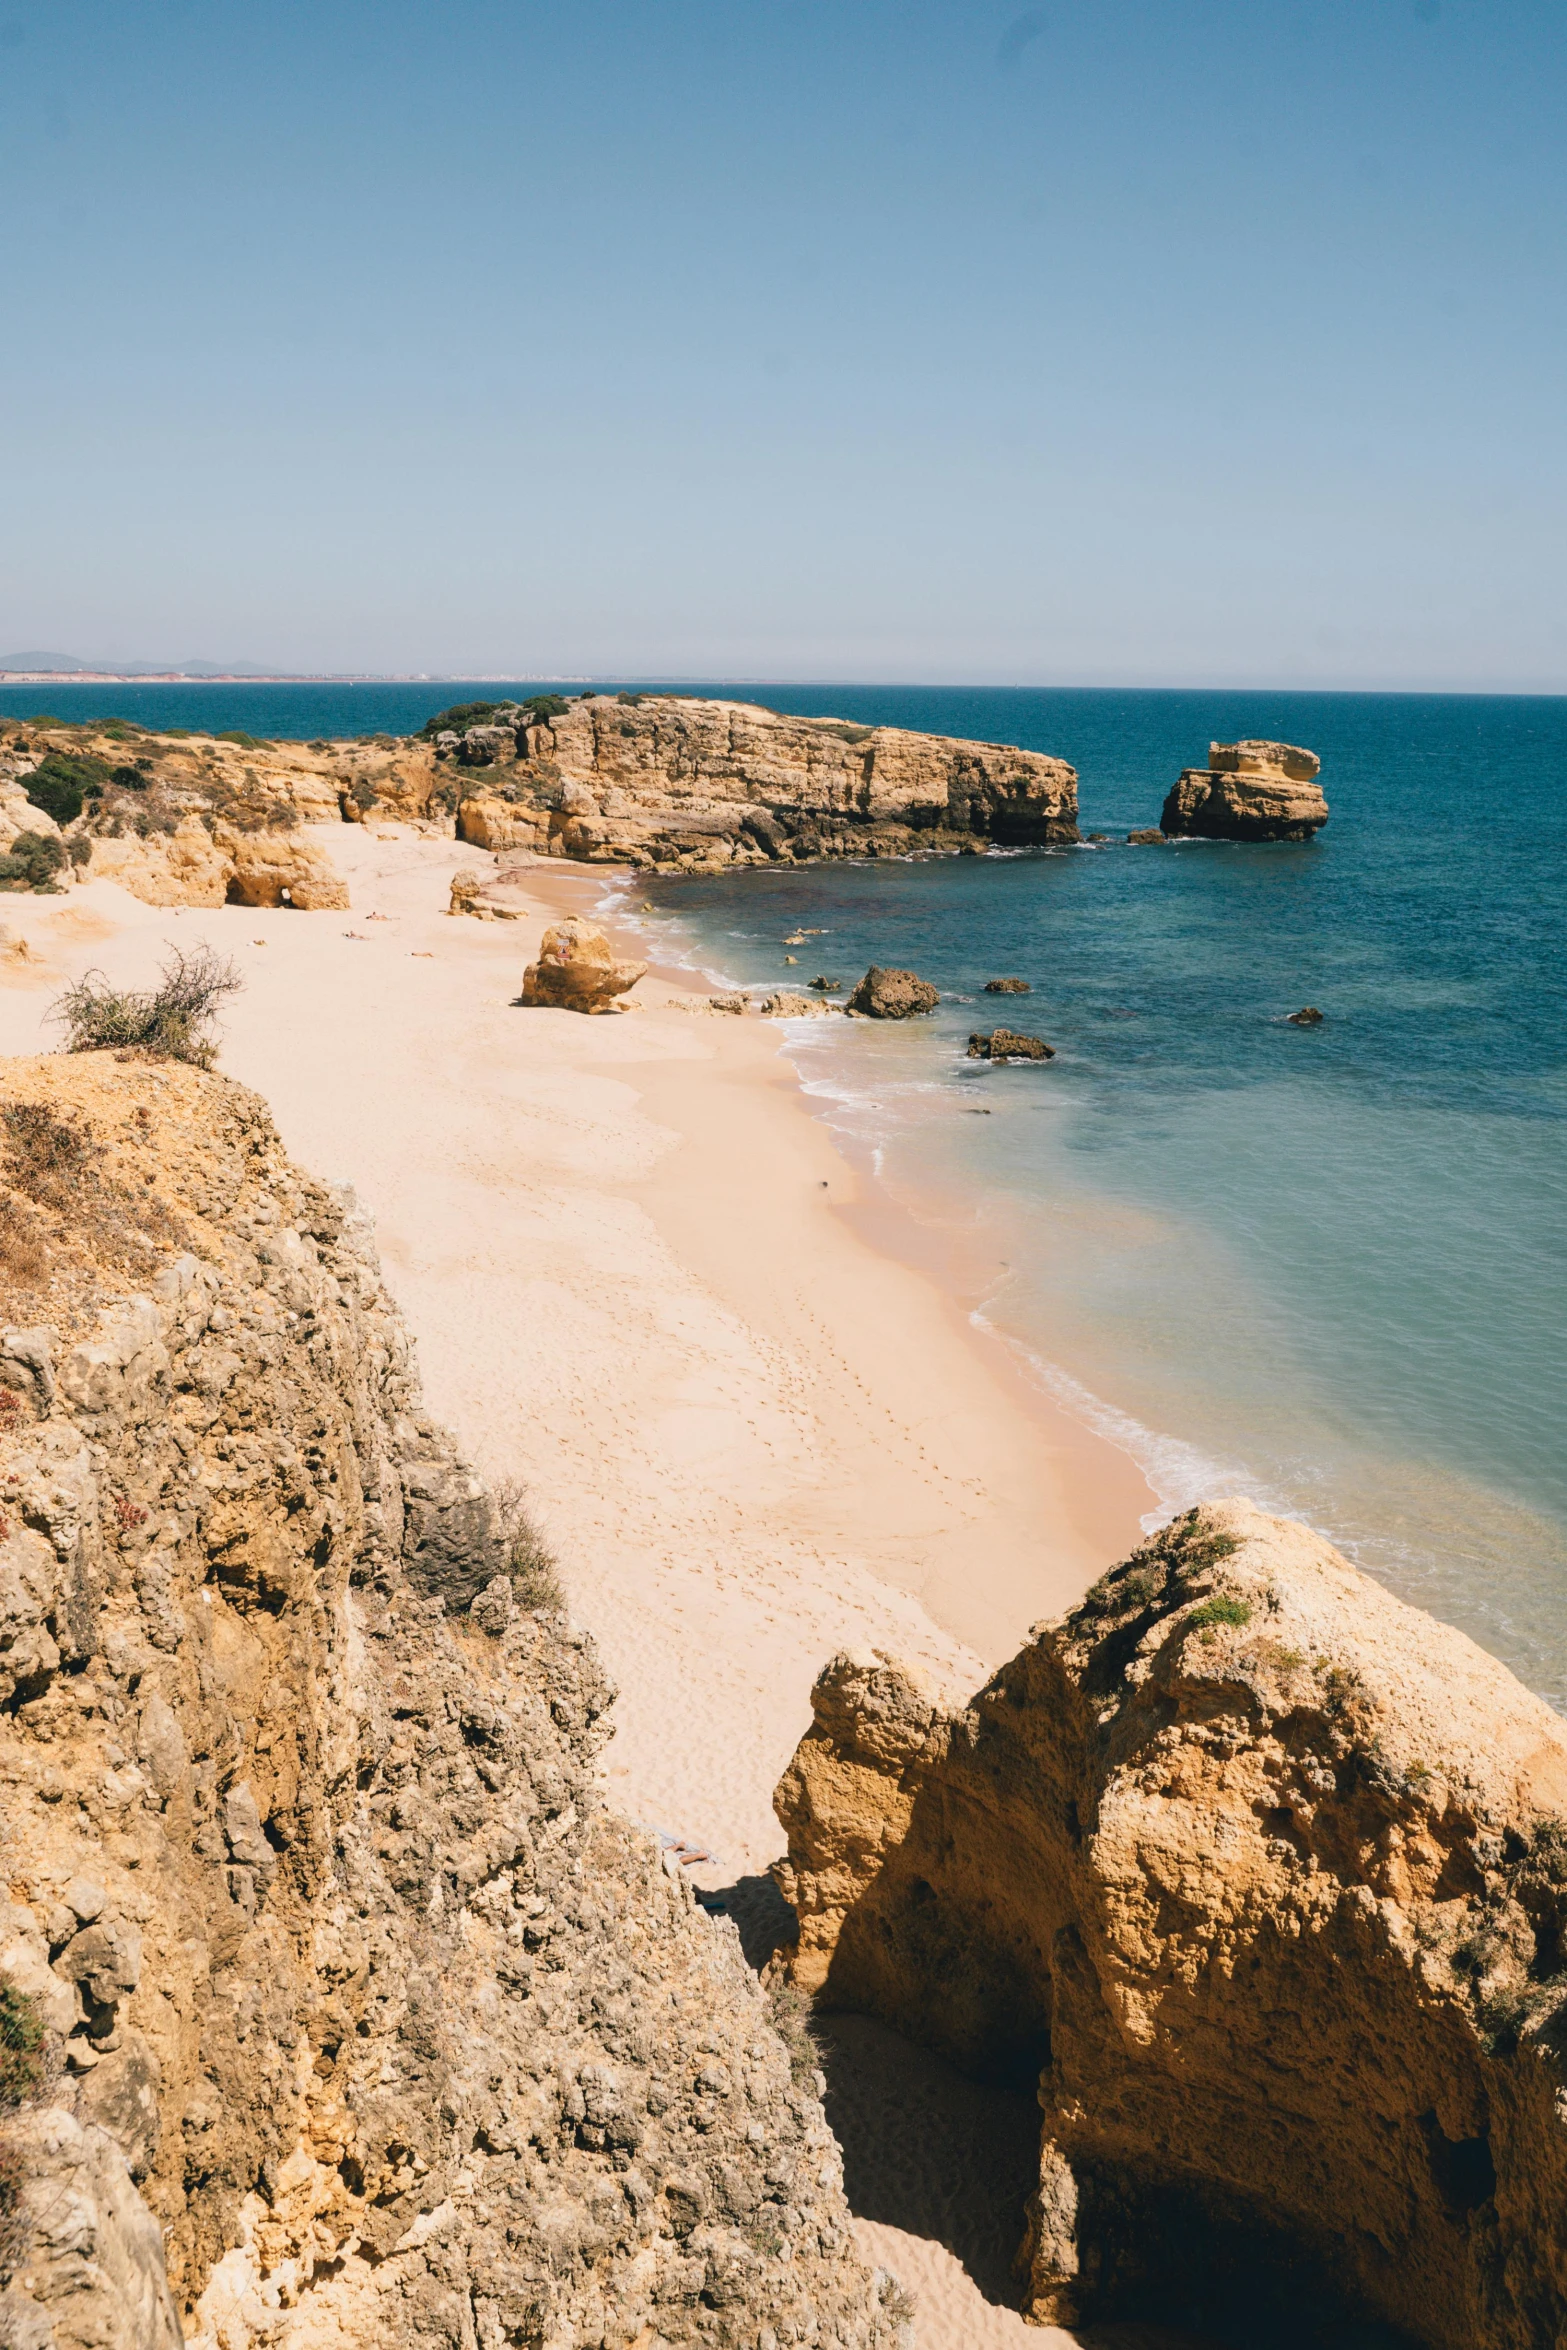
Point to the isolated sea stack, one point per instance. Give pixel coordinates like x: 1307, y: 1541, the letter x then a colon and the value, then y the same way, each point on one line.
x: 1248, y: 791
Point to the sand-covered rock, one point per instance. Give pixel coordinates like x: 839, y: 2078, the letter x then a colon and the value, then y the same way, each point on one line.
x: 367, y: 2022
x: 578, y: 970
x: 1264, y: 1876
x: 1248, y: 791
x: 892, y: 995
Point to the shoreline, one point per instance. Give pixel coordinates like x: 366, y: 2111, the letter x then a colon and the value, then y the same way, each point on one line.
x: 754, y: 1432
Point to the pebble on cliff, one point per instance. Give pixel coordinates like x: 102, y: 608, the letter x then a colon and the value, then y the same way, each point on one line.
x: 893, y: 995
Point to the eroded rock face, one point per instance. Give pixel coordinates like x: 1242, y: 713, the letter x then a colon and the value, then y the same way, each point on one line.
x: 892, y: 995
x: 693, y: 785
x: 199, y: 865
x: 365, y: 2017
x: 1264, y: 1875
x: 578, y: 970
x: 1248, y: 791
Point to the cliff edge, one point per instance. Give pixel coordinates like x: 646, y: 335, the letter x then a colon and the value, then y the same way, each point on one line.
x: 1262, y: 1876
x: 365, y: 2021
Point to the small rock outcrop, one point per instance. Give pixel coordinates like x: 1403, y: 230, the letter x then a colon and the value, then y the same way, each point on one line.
x: 1006, y: 1044
x: 1262, y: 1876
x: 892, y: 995
x: 1150, y: 837
x: 1248, y: 791
x: 1008, y: 987
x: 469, y: 896
x: 783, y: 1004
x: 1307, y: 1017
x: 578, y: 971
x: 366, y: 2022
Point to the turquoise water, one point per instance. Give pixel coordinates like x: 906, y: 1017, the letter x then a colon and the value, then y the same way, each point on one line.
x: 1324, y: 1266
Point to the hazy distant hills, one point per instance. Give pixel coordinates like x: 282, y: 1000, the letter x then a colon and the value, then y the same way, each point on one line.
x: 67, y: 665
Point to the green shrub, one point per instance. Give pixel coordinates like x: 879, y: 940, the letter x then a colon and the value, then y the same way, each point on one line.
x: 34, y: 860
x: 528, y: 1559
x: 178, y: 734
x: 246, y: 742
x: 21, y: 2045
x: 43, y: 719
x: 60, y: 783
x: 540, y: 708
x: 173, y: 1020
x: 134, y: 778
x: 459, y: 718
x: 1220, y: 1610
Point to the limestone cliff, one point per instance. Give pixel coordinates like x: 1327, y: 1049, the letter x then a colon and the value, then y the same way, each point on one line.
x: 662, y: 779
x: 368, y: 2023
x: 1263, y: 1876
x: 1248, y: 791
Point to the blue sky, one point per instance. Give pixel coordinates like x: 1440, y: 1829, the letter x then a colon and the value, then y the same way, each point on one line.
x: 1142, y: 341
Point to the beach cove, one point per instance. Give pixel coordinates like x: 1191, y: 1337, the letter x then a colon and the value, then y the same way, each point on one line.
x: 643, y: 1279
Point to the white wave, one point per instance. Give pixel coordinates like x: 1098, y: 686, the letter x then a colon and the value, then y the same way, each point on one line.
x: 1179, y: 1473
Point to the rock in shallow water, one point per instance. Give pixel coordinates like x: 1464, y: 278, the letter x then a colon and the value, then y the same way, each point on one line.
x: 1005, y: 1044
x: 893, y: 995
x: 1007, y: 987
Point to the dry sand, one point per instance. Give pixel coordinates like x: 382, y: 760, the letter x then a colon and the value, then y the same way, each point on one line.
x: 639, y: 1275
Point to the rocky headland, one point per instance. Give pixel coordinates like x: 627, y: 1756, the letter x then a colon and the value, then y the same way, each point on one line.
x: 1261, y: 1876
x: 1247, y: 791
x: 338, y: 2009
x: 661, y: 781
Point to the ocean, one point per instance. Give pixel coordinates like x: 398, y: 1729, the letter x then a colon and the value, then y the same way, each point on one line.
x: 1326, y: 1266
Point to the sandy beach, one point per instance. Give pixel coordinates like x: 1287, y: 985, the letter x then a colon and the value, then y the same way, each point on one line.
x: 644, y: 1280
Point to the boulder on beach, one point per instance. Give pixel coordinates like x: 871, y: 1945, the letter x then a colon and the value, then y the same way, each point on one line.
x: 578, y: 971
x: 1007, y: 987
x: 1248, y: 791
x: 1005, y: 1044
x: 468, y: 897
x: 893, y: 995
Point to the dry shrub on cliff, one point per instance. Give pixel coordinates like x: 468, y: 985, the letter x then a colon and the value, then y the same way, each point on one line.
x: 529, y: 1561
x: 56, y: 1192
x: 174, y: 1020
x: 792, y: 2015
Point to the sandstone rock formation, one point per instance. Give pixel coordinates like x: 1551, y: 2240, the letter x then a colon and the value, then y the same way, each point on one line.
x: 672, y: 781
x: 198, y: 864
x: 1006, y: 1044
x: 892, y: 995
x: 468, y: 896
x: 1008, y: 987
x: 1264, y: 1876
x: 578, y: 970
x: 364, y: 2014
x: 1248, y: 791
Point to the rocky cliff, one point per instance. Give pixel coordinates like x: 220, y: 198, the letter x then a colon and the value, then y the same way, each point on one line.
x: 1248, y: 791
x: 366, y: 2022
x: 661, y: 779
x: 1263, y: 1876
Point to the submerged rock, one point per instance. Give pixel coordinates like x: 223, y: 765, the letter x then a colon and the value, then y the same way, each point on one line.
x: 1263, y: 1876
x: 893, y: 995
x: 1005, y: 1044
x: 578, y: 971
x: 1248, y: 791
